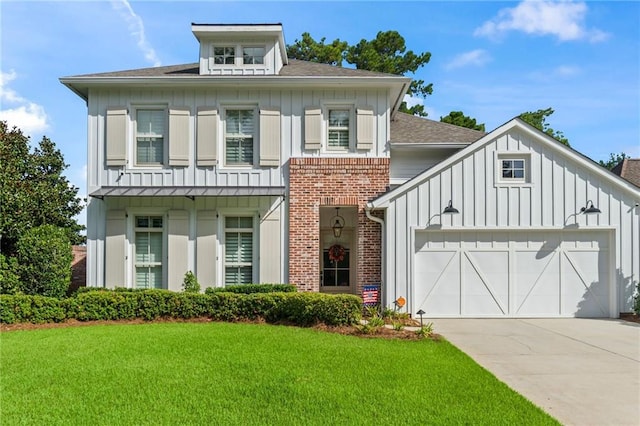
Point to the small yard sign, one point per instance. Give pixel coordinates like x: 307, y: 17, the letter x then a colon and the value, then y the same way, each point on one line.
x: 371, y: 295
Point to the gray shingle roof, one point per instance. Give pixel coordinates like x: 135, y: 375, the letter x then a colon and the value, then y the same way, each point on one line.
x: 295, y: 68
x: 629, y: 169
x: 407, y: 128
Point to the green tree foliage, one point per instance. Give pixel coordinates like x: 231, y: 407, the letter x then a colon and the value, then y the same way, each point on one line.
x: 34, y: 190
x: 538, y: 120
x: 9, y: 278
x: 387, y: 53
x: 190, y: 283
x: 44, y: 255
x: 457, y: 118
x: 307, y: 49
x: 614, y: 160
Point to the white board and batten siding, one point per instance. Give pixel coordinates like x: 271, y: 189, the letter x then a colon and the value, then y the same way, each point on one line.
x: 516, y: 222
x: 193, y: 238
x: 192, y: 112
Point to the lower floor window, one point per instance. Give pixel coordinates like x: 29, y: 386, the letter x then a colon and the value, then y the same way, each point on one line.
x: 238, y: 258
x: 148, y: 251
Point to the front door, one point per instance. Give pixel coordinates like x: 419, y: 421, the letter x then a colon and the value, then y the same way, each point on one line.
x: 337, y: 262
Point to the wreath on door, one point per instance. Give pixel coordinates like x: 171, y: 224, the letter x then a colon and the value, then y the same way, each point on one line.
x: 336, y: 253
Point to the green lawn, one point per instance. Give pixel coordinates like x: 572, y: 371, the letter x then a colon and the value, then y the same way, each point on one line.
x: 244, y: 374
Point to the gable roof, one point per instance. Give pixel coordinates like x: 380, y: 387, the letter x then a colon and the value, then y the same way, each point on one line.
x: 629, y: 169
x: 294, y: 74
x: 516, y: 123
x: 410, y: 129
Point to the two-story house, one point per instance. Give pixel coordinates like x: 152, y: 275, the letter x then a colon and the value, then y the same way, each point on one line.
x: 249, y: 167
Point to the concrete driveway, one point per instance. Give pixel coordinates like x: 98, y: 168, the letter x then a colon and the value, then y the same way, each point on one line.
x: 580, y: 371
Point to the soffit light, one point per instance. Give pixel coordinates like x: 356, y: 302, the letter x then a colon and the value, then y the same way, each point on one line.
x: 450, y: 209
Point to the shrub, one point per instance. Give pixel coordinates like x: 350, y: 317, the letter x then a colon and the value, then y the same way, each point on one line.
x: 636, y: 299
x: 312, y: 308
x: 9, y: 278
x: 35, y: 309
x: 100, y: 304
x: 253, y: 288
x: 44, y: 255
x: 190, y: 283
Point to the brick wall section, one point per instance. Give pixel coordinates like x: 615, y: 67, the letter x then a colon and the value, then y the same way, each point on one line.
x: 316, y: 182
x: 78, y: 268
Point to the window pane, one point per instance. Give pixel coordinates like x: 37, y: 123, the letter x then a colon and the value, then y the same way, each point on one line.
x: 246, y: 247
x: 142, y: 247
x: 149, y: 277
x: 233, y: 122
x: 245, y: 222
x: 339, y: 139
x: 156, y: 222
x: 506, y: 164
x: 232, y: 247
x: 339, y: 118
x: 155, y: 247
x: 142, y: 222
x: 253, y: 55
x: 150, y: 150
x: 507, y: 173
x: 518, y: 164
x: 150, y: 122
x: 231, y: 275
x: 518, y: 174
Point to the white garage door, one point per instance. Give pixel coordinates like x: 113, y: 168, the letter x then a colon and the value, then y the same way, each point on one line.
x: 513, y: 274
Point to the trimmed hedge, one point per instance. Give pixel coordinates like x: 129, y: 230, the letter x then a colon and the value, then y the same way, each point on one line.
x: 253, y: 288
x: 293, y: 308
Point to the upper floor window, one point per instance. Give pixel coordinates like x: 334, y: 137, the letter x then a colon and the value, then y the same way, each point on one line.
x: 224, y: 55
x: 150, y: 136
x: 338, y: 136
x: 253, y: 55
x: 240, y: 129
x: 513, y: 169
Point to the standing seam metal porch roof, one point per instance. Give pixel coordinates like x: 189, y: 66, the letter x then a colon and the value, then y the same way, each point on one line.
x: 187, y: 191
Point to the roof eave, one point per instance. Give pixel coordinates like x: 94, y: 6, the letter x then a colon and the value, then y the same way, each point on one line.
x: 81, y: 84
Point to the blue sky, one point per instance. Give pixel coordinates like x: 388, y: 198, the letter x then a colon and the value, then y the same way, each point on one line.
x: 491, y: 60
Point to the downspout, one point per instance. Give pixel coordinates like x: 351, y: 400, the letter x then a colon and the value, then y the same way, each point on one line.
x: 383, y: 250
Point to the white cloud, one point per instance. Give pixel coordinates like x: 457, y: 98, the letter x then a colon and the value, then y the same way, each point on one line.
x: 555, y: 74
x: 136, y: 30
x: 411, y: 101
x: 477, y: 57
x: 28, y: 116
x: 563, y: 19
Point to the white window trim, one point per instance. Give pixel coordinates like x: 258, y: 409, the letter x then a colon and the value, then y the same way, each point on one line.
x: 133, y: 137
x: 238, y: 52
x: 343, y: 105
x: 131, y: 242
x: 256, y: 134
x: 255, y: 261
x: 499, y: 181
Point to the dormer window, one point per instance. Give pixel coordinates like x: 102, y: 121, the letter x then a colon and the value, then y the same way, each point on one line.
x: 237, y: 55
x: 224, y: 55
x: 253, y: 55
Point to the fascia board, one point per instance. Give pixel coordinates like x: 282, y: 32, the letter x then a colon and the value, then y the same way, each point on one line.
x: 429, y: 145
x: 79, y: 84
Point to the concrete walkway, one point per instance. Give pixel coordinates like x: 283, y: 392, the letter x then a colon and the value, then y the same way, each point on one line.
x: 580, y: 371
